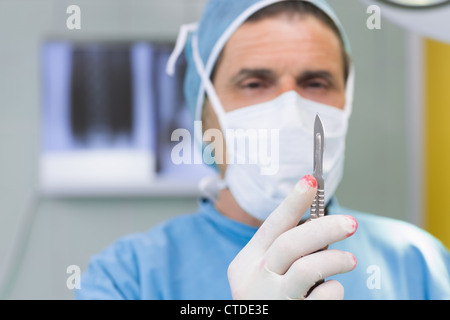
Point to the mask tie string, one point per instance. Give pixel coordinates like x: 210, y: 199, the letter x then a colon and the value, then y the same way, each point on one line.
x: 210, y: 187
x: 185, y: 30
x: 206, y: 82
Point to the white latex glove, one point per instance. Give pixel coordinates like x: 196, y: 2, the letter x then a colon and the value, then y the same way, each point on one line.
x: 282, y: 260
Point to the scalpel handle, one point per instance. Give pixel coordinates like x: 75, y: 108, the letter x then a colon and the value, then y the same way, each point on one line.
x: 317, y: 211
x: 318, y: 205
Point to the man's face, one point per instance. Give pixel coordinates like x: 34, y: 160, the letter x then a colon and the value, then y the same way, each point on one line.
x: 267, y: 58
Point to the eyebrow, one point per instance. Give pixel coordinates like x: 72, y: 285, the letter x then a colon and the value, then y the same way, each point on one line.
x: 311, y: 74
x: 270, y: 74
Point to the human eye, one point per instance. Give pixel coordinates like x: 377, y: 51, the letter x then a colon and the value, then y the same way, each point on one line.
x: 316, y: 84
x: 254, y: 84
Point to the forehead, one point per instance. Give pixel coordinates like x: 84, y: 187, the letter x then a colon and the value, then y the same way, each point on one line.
x: 284, y: 38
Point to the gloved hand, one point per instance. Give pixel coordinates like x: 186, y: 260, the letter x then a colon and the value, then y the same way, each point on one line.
x: 283, y: 261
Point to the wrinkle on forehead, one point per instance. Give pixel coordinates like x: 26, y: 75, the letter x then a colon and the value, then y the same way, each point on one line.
x: 284, y: 44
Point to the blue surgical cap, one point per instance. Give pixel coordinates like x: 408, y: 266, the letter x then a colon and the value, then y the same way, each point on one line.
x: 220, y: 19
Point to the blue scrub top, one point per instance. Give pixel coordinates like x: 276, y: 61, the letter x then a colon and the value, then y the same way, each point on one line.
x: 187, y: 258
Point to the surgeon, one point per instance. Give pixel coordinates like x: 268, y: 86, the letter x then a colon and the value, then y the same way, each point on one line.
x: 268, y: 64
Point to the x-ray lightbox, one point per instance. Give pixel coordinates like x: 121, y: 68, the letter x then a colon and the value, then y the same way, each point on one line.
x: 108, y: 113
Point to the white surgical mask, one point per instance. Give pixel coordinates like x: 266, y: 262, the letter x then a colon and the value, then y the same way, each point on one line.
x: 285, y: 126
